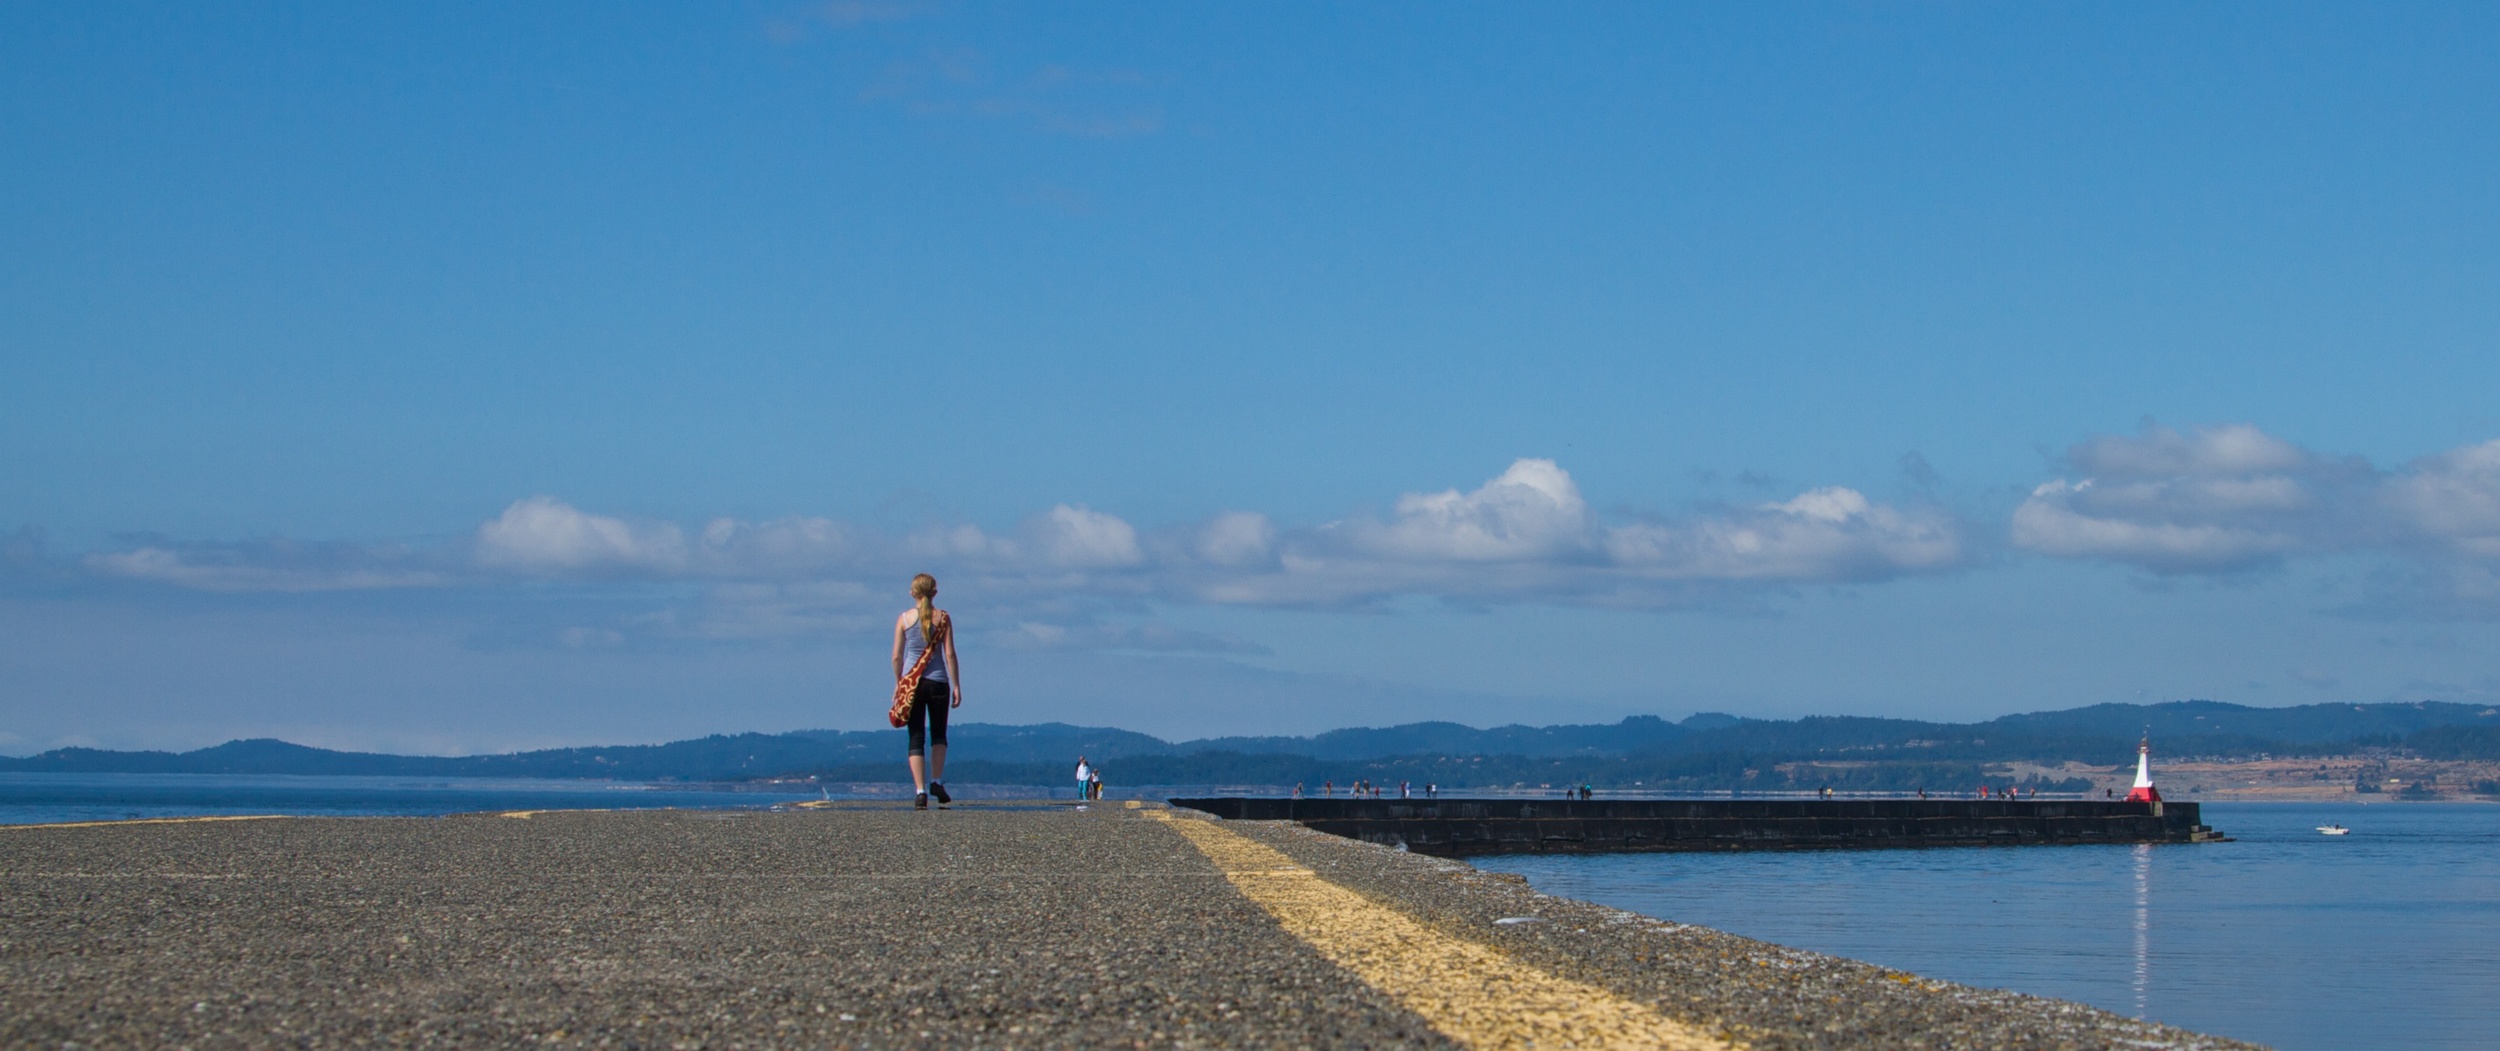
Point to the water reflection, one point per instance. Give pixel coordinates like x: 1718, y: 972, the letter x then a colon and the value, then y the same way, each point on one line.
x: 2143, y: 924
x: 2377, y: 939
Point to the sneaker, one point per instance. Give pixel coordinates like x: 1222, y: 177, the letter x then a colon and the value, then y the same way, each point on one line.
x: 938, y: 792
x: 920, y: 802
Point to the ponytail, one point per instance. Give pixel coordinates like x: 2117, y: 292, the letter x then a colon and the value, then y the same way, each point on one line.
x: 924, y: 595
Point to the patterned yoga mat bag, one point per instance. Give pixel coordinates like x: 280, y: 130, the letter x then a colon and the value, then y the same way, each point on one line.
x: 909, y: 684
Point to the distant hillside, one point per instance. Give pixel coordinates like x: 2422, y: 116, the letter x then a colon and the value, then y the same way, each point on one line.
x: 727, y: 757
x: 1704, y: 751
x: 2304, y: 725
x: 1638, y: 733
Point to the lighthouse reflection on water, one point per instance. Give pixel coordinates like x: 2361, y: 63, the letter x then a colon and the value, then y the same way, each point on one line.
x: 2144, y: 792
x: 2143, y: 924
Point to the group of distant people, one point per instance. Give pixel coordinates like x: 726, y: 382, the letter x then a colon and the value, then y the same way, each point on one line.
x: 1358, y: 790
x: 1088, y: 779
x: 1365, y: 789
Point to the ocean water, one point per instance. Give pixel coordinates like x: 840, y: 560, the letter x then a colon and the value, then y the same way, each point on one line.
x: 27, y: 799
x: 2385, y: 938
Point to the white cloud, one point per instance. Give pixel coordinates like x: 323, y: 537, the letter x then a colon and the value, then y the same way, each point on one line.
x: 1079, y: 538
x: 963, y: 542
x: 546, y: 535
x: 1827, y: 534
x: 777, y: 548
x: 2451, y: 499
x: 2225, y: 499
x: 2061, y: 519
x: 792, y: 611
x: 272, y: 566
x: 1237, y: 539
x: 1533, y: 510
x: 1152, y: 638
x: 584, y: 638
x: 2206, y: 500
x: 1527, y: 535
x: 2203, y: 501
x: 2209, y: 452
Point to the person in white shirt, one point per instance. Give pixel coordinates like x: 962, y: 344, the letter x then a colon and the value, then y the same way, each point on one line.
x: 1084, y: 776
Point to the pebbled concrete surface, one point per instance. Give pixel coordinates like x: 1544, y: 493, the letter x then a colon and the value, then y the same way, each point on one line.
x: 990, y: 925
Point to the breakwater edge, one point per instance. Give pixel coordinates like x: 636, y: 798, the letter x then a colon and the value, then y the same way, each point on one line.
x: 1476, y: 827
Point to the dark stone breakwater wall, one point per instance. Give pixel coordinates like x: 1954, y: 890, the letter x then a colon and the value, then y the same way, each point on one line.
x: 1469, y: 827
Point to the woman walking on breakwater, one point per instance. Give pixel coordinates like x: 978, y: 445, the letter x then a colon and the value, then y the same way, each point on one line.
x: 940, y: 688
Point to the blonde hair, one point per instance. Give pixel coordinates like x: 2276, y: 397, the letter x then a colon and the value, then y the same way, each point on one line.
x: 923, y: 591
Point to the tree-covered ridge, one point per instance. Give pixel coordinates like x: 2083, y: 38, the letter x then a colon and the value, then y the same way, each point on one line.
x: 1704, y: 751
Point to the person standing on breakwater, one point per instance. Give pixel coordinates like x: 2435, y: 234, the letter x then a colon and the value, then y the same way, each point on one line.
x: 1084, y: 776
x: 940, y: 688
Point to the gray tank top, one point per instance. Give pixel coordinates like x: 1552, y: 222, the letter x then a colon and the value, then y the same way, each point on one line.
x: 913, y: 644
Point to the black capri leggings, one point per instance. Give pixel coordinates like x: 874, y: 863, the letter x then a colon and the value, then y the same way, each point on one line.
x: 927, y: 722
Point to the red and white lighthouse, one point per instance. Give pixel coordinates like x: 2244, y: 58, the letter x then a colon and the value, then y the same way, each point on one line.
x: 2144, y: 792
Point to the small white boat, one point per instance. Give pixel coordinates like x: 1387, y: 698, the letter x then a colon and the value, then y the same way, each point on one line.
x: 2333, y: 830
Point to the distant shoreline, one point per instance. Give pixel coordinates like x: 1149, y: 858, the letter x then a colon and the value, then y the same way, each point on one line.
x: 2201, y: 750
x: 2184, y: 782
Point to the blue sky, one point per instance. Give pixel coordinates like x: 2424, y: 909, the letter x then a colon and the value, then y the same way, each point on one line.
x: 459, y: 377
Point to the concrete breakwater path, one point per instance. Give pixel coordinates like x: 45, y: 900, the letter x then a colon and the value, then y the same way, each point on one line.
x: 988, y: 926
x: 1467, y: 827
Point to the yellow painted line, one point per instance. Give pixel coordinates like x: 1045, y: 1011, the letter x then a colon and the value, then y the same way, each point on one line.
x: 1135, y: 805
x: 1471, y: 992
x: 157, y: 821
